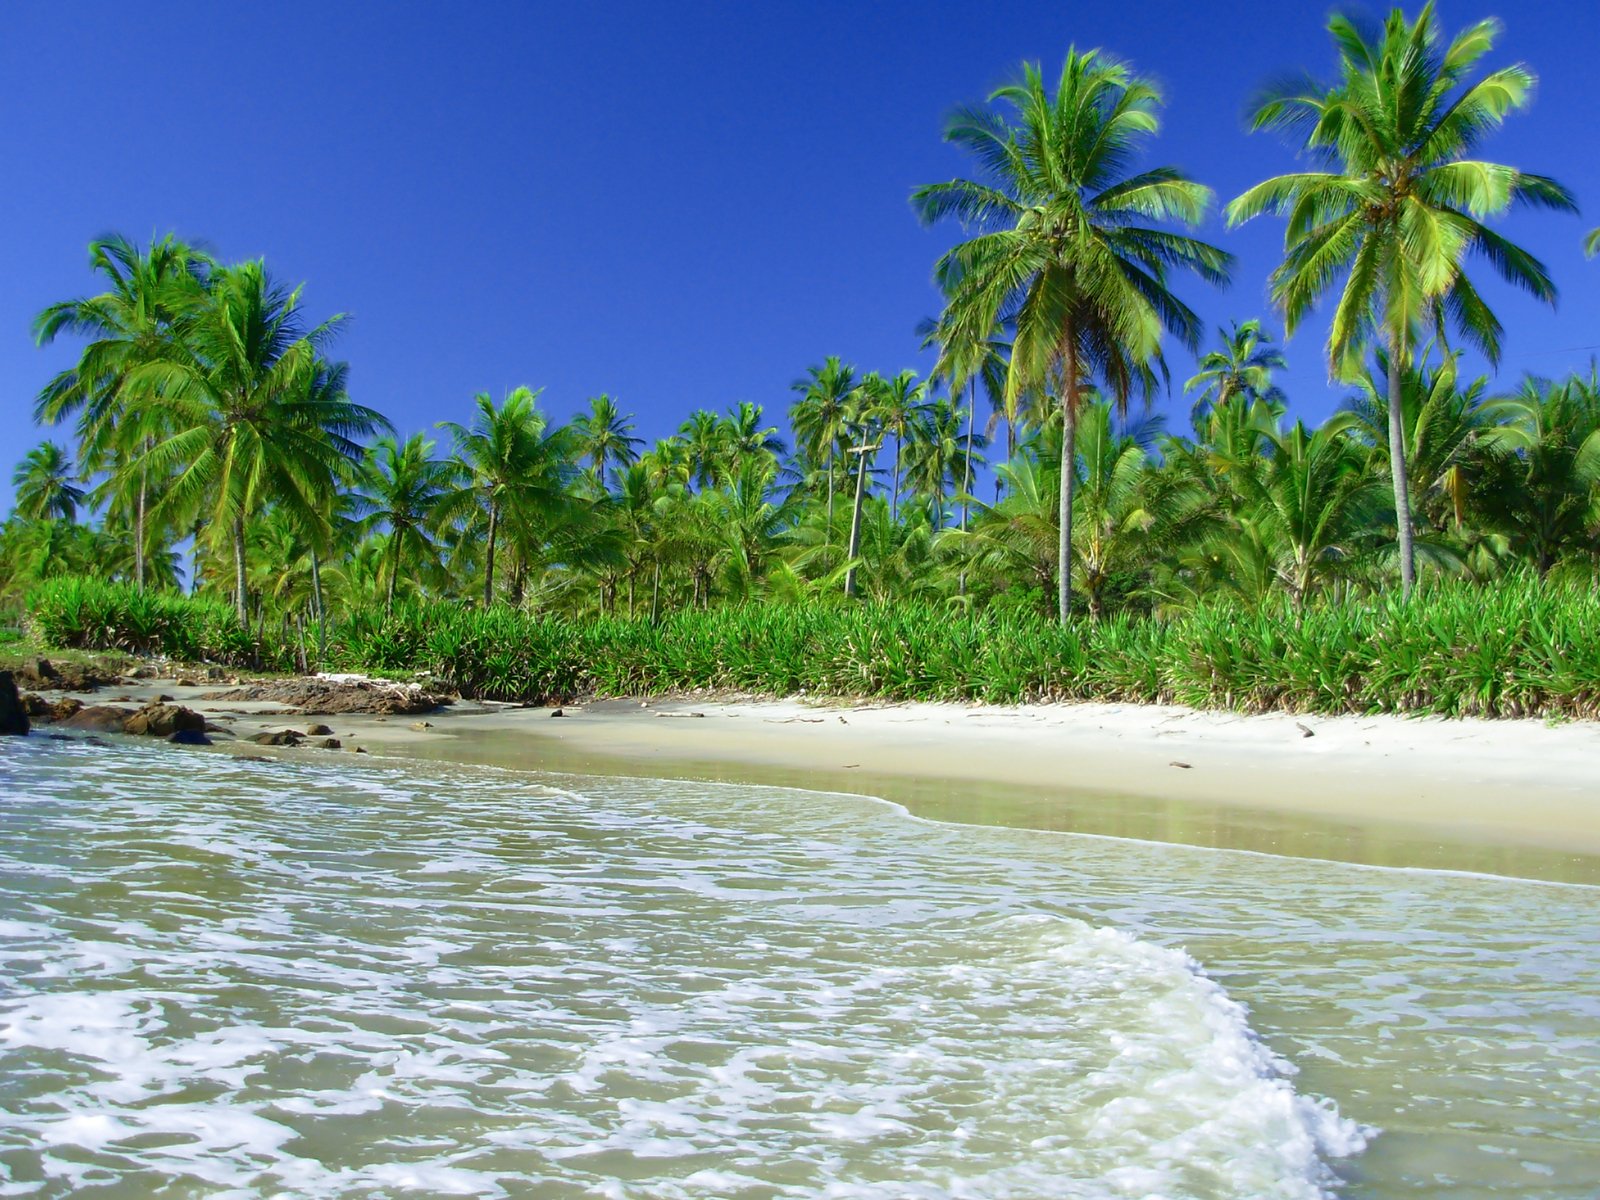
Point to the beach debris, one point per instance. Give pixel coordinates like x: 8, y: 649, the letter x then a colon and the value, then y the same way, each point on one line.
x: 319, y: 696
x: 13, y: 716
x: 1305, y: 730
x: 422, y: 724
x: 1182, y: 766
x: 793, y: 720
x: 318, y: 731
x: 685, y: 715
x: 850, y: 766
x: 842, y: 721
x: 556, y: 712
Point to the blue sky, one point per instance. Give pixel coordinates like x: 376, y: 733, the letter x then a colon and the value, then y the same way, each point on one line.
x: 682, y: 206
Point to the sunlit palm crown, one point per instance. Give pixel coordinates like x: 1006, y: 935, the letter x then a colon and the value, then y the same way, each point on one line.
x: 1063, y: 245
x: 1401, y: 204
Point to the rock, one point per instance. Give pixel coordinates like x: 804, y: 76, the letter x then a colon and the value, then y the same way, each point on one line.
x: 41, y: 669
x: 331, y: 743
x: 122, y: 700
x: 361, y: 749
x: 283, y: 737
x: 556, y: 712
x: 13, y: 716
x: 41, y: 709
x: 187, y: 682
x: 143, y: 671
x: 422, y: 725
x: 164, y: 699
x: 1182, y: 766
x: 316, y: 696
x: 35, y: 705
x: 98, y: 718
x: 318, y: 731
x: 1305, y: 730
x: 64, y: 677
x: 163, y: 720
x: 188, y: 737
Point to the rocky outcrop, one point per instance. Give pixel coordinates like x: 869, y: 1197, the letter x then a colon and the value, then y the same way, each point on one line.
x: 98, y: 718
x: 41, y: 709
x: 326, y: 697
x: 164, y: 720
x: 62, y: 677
x: 13, y: 716
x: 153, y: 720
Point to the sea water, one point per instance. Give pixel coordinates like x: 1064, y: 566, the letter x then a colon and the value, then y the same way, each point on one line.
x: 229, y: 978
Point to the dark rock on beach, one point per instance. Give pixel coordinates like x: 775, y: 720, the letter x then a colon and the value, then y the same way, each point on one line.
x: 164, y: 720
x: 281, y: 737
x: 325, y: 697
x: 188, y: 737
x: 13, y: 716
x: 98, y: 718
x: 318, y: 731
x: 41, y: 709
x: 64, y: 677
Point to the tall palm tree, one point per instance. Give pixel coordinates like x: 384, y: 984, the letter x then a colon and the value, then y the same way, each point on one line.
x: 254, y: 414
x: 897, y: 406
x: 402, y: 490
x: 128, y: 325
x: 605, y: 437
x: 1400, y: 206
x: 1063, y: 247
x: 746, y: 438
x: 702, y: 436
x: 818, y: 416
x: 45, y: 486
x: 510, y: 458
x: 1241, y: 367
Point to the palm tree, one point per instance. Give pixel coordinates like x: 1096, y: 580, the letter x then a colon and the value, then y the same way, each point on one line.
x: 702, y: 436
x: 1401, y: 206
x: 936, y: 458
x: 1061, y: 247
x: 254, y: 414
x: 818, y: 416
x: 129, y: 325
x: 402, y: 490
x: 745, y: 438
x: 1241, y: 367
x: 1541, y: 488
x: 897, y: 406
x: 606, y: 436
x: 45, y: 487
x: 1314, y: 505
x: 509, y: 457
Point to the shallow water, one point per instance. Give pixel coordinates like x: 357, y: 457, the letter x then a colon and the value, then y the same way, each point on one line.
x: 222, y: 978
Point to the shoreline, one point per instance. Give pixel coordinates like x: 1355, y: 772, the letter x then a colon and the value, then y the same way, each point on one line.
x: 1514, y: 797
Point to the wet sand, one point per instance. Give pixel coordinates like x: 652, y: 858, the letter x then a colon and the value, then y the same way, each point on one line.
x: 1503, y: 797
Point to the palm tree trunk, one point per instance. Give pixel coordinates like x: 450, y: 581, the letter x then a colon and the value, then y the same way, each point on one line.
x: 138, y: 528
x: 394, y: 570
x: 655, y: 594
x: 966, y: 468
x: 830, y: 497
x: 1069, y: 471
x: 894, y: 502
x: 1397, y: 467
x: 321, y: 611
x: 855, y: 523
x: 488, y: 557
x: 240, y: 586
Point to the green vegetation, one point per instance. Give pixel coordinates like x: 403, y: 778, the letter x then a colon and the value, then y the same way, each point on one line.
x: 1524, y: 648
x: 1251, y: 561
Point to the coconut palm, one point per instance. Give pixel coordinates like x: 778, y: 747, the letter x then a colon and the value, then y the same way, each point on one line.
x: 745, y: 437
x: 1062, y: 246
x: 509, y: 459
x: 1240, y: 368
x: 1541, y: 489
x: 703, y: 439
x: 253, y: 414
x: 605, y: 437
x: 1401, y: 206
x: 897, y: 406
x: 45, y: 485
x: 818, y: 417
x: 128, y: 325
x: 402, y: 490
x: 1444, y: 425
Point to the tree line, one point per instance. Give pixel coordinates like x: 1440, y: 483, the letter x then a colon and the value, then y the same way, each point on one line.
x: 209, y: 415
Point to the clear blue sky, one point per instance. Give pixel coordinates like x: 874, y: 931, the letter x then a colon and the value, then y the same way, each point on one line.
x: 683, y: 208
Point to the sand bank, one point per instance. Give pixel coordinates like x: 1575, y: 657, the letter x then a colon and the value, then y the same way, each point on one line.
x: 1517, y: 796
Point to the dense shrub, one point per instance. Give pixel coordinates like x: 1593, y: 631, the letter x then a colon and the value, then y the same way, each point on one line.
x: 1523, y: 647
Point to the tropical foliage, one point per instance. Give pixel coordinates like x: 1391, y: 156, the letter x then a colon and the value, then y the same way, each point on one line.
x: 216, y: 447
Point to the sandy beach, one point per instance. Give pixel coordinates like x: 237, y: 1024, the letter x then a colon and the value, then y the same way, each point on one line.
x: 1512, y: 796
